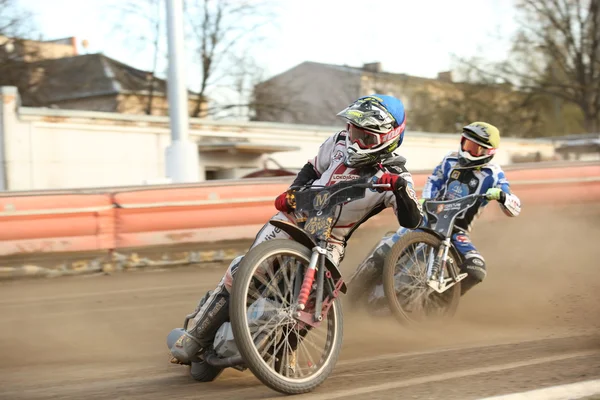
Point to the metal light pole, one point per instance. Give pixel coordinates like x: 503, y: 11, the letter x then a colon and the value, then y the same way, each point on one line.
x: 181, y: 157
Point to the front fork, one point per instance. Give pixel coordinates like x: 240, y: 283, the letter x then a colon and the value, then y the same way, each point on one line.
x: 308, y: 282
x: 436, y: 267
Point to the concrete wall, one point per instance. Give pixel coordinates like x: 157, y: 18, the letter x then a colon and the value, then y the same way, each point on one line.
x: 57, y: 149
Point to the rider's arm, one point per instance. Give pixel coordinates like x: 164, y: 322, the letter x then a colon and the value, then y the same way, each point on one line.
x: 408, y: 209
x: 311, y: 171
x: 435, y: 181
x: 306, y: 175
x: 404, y: 202
x: 509, y: 202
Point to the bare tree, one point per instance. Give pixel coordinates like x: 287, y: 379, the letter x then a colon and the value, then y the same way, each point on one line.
x: 15, y: 51
x: 479, y: 97
x: 26, y: 60
x: 276, y: 101
x: 220, y: 36
x: 152, y: 77
x: 220, y: 30
x: 141, y: 23
x: 245, y: 75
x: 556, y: 54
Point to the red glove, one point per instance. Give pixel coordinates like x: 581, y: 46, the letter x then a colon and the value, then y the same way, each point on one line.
x: 282, y: 203
x: 396, y: 181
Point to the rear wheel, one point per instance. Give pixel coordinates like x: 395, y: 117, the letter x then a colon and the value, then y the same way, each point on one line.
x: 283, y: 353
x: 405, y: 280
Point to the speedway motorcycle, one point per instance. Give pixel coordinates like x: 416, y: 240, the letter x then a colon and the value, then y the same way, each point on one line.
x: 421, y: 277
x: 286, y: 322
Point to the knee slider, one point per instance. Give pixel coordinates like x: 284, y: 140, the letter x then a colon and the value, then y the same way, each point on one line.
x: 474, y: 265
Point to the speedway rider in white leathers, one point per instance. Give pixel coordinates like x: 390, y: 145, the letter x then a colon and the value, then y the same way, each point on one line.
x: 461, y: 173
x: 375, y: 128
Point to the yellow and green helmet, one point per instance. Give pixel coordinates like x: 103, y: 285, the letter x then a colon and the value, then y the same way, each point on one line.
x: 478, y: 144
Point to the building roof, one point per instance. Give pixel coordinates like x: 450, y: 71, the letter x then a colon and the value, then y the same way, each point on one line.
x: 367, y: 69
x: 89, y: 75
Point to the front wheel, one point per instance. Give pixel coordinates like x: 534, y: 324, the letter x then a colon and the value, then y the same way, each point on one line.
x: 405, y: 280
x: 283, y: 353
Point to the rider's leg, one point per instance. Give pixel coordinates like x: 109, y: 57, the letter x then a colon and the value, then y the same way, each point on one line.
x: 214, y: 306
x: 473, y: 262
x: 371, y: 268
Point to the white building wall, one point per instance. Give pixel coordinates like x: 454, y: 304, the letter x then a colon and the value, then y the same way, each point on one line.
x: 58, y: 149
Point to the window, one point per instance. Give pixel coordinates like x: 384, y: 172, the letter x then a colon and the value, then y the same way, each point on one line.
x: 211, y: 175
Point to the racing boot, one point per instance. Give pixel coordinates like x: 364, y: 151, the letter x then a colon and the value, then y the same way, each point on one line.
x: 467, y: 284
x: 474, y: 265
x: 214, y: 312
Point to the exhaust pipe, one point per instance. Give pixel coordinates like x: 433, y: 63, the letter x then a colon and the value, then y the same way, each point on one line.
x: 229, y: 362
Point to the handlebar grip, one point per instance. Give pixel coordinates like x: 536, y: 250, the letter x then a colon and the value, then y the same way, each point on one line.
x: 372, y: 185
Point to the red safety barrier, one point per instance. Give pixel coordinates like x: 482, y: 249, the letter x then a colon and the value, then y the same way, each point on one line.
x: 554, y: 173
x: 564, y: 192
x: 149, y: 217
x: 206, y: 212
x: 56, y: 223
x: 531, y: 195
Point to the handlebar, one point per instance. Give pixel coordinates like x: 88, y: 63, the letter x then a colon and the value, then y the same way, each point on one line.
x: 474, y: 195
x: 371, y: 185
x: 338, y: 193
x: 368, y: 185
x: 470, y: 196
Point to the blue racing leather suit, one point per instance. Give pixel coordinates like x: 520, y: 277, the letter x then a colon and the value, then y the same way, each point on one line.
x: 448, y: 181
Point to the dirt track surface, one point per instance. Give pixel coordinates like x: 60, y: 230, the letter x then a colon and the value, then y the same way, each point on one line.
x: 533, y: 323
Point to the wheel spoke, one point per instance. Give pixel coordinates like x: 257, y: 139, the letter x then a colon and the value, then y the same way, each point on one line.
x: 290, y: 350
x: 416, y: 299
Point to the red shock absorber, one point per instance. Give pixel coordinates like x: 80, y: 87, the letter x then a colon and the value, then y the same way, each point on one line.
x: 309, y: 278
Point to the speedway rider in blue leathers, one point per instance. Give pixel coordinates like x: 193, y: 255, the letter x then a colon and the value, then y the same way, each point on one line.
x: 459, y: 174
x: 374, y: 130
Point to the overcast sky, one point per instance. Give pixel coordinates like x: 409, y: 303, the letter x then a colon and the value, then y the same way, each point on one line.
x: 407, y: 36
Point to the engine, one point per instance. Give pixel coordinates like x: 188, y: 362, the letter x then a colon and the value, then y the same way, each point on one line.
x: 224, y: 343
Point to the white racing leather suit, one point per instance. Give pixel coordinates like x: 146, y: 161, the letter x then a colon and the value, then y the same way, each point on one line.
x: 326, y: 168
x: 448, y: 181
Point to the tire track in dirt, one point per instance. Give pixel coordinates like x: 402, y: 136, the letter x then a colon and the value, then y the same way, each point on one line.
x: 103, y: 337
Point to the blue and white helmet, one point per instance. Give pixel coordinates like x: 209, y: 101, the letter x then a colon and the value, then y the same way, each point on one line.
x: 375, y: 127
